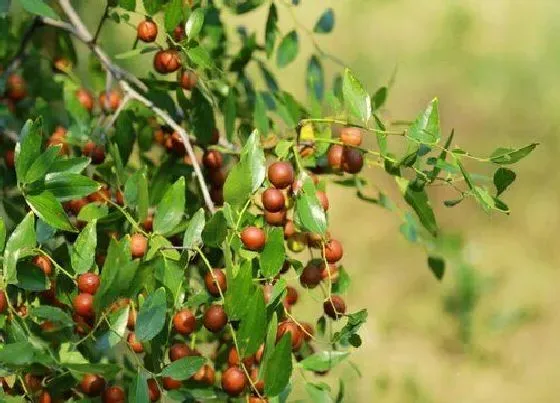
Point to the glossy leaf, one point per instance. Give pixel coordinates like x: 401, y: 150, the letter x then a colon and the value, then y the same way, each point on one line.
x: 184, y: 368
x: 151, y: 316
x: 29, y: 148
x: 169, y: 210
x: 53, y: 314
x: 41, y: 165
x: 83, y: 252
x: 426, y: 128
x: 69, y: 186
x: 253, y: 325
x: 49, y: 210
x: 21, y: 241
x: 70, y: 165
x: 273, y: 255
x: 309, y: 212
x: 39, y: 7
x: 279, y: 367
x: 356, y: 98
x: 193, y: 233
x: 194, y: 24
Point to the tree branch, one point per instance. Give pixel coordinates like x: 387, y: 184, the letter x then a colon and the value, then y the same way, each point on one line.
x: 19, y: 55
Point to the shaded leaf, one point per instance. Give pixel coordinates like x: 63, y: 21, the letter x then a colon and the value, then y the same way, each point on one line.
x: 151, y: 316
x: 83, y: 252
x: 503, y: 177
x: 193, y: 233
x: 288, y: 49
x: 437, y: 266
x: 19, y: 244
x: 505, y: 156
x: 184, y: 368
x: 325, y: 24
x: 169, y: 210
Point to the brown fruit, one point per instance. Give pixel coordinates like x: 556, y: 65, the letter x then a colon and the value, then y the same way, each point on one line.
x: 333, y: 251
x: 119, y: 198
x: 281, y: 174
x: 217, y: 177
x: 114, y: 394
x: 167, y: 61
x: 212, y: 159
x: 257, y: 383
x: 85, y: 99
x: 296, y: 334
x: 179, y: 350
x: 134, y: 344
x: 184, y: 322
x: 153, y: 390
x: 138, y: 245
x: 215, y: 318
x: 206, y: 374
x: 309, y: 332
x: 273, y: 200
x: 334, y: 156
x: 332, y: 271
x: 146, y: 31
x: 44, y: 264
x: 45, y: 397
x: 217, y: 195
x: 323, y: 199
x: 94, y: 151
x: 215, y: 138
x: 233, y: 381
x: 10, y: 158
x: 276, y: 219
x: 351, y: 136
x: 178, y: 33
x: 131, y: 321
x: 88, y: 283
x: 212, y: 284
x: 311, y: 275
x: 334, y: 307
x: 253, y: 238
x: 352, y: 160
x: 289, y: 229
x: 148, y: 223
x: 170, y: 383
x: 101, y: 196
x: 291, y: 295
x: 76, y: 205
x: 83, y: 305
x: 32, y: 382
x: 92, y: 385
x: 233, y: 359
x: 113, y: 102
x: 188, y: 80
x: 15, y: 87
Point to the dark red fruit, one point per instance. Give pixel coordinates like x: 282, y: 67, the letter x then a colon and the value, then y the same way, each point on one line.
x: 10, y: 159
x: 323, y: 199
x: 291, y: 295
x: 188, y: 80
x: 217, y: 177
x: 88, y: 283
x: 212, y: 159
x: 311, y: 275
x: 167, y: 61
x: 16, y: 88
x: 113, y: 102
x: 178, y: 351
x: 334, y: 307
x: 83, y: 305
x: 351, y: 136
x: 153, y: 390
x: 44, y: 264
x: 212, y: 284
x: 333, y: 251
x: 92, y: 385
x: 184, y: 322
x: 352, y: 160
x: 85, y: 99
x: 296, y: 334
x: 45, y: 397
x: 178, y: 33
x: 233, y: 359
x: 253, y: 238
x: 215, y: 318
x: 134, y: 344
x: 233, y: 381
x: 334, y: 156
x: 281, y: 174
x: 138, y: 245
x: 276, y: 219
x: 170, y: 383
x: 273, y: 200
x: 307, y: 331
x: 289, y: 229
x: 94, y: 151
x: 114, y: 394
x: 32, y: 382
x: 146, y: 31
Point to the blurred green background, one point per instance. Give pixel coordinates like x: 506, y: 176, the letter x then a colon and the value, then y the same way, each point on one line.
x: 494, y: 66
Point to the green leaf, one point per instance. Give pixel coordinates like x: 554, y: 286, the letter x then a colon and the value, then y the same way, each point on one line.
x: 259, y: 115
x: 273, y: 255
x: 2, y: 234
x: 140, y: 393
x: 271, y: 30
x: 128, y: 5
x: 378, y: 99
x: 315, y: 78
x: 503, y: 177
x: 41, y: 165
x: 173, y: 14
x: 318, y: 393
x: 151, y: 316
x: 253, y: 325
x: 52, y: 314
x: 215, y: 231
x: 426, y: 128
x: 506, y: 156
x: 69, y: 186
x: 31, y: 277
x: 309, y: 212
x: 136, y: 193
x: 135, y: 52
x: 418, y: 200
x: 288, y: 49
x: 193, y: 233
x: 49, y: 210
x: 184, y: 368
x: 230, y: 115
x: 124, y: 135
x: 117, y: 328
x: 437, y: 266
x: 93, y: 211
x: 29, y: 147
x: 169, y: 210
x: 269, y: 345
x: 325, y: 24
x: 240, y: 287
x: 279, y: 367
x: 152, y: 6
x: 202, y: 116
x: 356, y: 98
x: 324, y: 360
x: 83, y: 251
x: 19, y: 244
x: 20, y: 353
x: 200, y: 57
x: 194, y: 23
x: 70, y: 165
x: 39, y: 7
x: 253, y: 155
x: 349, y: 333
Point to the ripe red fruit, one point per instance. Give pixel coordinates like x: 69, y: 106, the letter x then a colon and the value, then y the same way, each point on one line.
x: 10, y: 158
x: 178, y: 351
x: 170, y: 383
x: 138, y: 245
x: 101, y: 196
x: 291, y: 295
x: 45, y: 397
x: 215, y: 318
x: 217, y: 195
x: 94, y: 151
x: 332, y: 271
x: 217, y: 177
x: 212, y: 159
x: 256, y: 399
x: 167, y: 61
x: 59, y: 138
x: 323, y: 199
x: 233, y: 381
x: 289, y: 229
x: 32, y: 382
x: 92, y: 385
x: 257, y: 383
x: 309, y: 331
x: 276, y: 219
x: 85, y: 99
x: 3, y: 301
x: 146, y: 31
x: 253, y: 238
x: 114, y: 394
x: 188, y: 80
x: 83, y: 305
x: 15, y: 87
x: 206, y: 374
x: 281, y: 174
x: 334, y: 307
x: 153, y: 390
x: 88, y: 283
x: 351, y: 136
x: 44, y: 264
x: 273, y: 200
x: 131, y: 321
x: 113, y: 102
x: 178, y: 33
x: 296, y: 334
x: 352, y: 160
x: 333, y: 251
x: 311, y: 275
x: 211, y: 284
x: 134, y: 344
x: 334, y: 156
x: 233, y: 359
x: 184, y: 322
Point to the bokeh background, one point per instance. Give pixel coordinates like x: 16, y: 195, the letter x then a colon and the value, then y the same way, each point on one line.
x: 495, y: 67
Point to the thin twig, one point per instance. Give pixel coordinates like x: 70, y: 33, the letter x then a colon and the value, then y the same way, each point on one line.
x: 19, y: 55
x: 103, y: 18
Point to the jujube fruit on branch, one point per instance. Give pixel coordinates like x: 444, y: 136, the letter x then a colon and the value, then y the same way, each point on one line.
x: 215, y: 281
x: 253, y: 238
x: 184, y: 322
x: 147, y: 31
x: 92, y: 385
x: 334, y: 307
x: 88, y: 283
x: 234, y: 381
x: 281, y: 174
x: 215, y: 318
x: 167, y: 61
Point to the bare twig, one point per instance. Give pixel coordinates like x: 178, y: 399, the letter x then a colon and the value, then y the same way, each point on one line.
x: 101, y: 22
x: 19, y: 55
